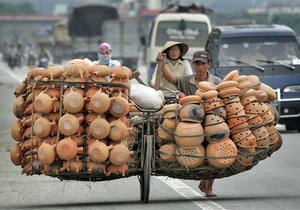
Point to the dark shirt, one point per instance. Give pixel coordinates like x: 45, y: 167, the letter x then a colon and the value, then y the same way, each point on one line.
x: 188, y: 86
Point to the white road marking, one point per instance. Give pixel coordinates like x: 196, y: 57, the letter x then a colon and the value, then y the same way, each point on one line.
x: 189, y: 193
x: 12, y: 75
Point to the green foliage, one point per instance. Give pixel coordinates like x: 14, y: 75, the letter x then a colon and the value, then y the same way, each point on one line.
x: 17, y: 9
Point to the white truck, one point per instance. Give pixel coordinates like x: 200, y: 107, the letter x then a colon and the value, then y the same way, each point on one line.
x: 190, y: 28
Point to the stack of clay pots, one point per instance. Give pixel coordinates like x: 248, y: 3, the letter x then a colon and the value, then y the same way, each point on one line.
x: 68, y: 121
x: 239, y: 125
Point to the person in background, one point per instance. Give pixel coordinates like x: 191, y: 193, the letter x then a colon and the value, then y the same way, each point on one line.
x: 104, y: 56
x: 44, y: 56
x: 172, y: 56
x: 188, y: 84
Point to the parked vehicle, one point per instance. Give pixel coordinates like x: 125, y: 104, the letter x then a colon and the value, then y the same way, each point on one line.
x: 275, y: 60
x: 188, y: 27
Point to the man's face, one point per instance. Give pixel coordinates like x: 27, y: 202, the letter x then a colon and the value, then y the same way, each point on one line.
x: 200, y: 67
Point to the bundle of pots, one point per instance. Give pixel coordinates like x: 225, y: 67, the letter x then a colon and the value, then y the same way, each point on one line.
x: 229, y: 125
x: 72, y: 118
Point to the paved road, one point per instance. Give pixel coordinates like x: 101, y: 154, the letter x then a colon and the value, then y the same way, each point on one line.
x: 272, y: 184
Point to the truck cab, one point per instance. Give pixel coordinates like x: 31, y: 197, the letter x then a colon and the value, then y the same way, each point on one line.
x: 269, y: 51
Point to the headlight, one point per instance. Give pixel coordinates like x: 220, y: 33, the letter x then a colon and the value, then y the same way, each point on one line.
x: 292, y: 89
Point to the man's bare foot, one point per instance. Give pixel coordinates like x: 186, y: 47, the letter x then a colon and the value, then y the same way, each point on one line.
x: 202, y: 185
x: 210, y: 194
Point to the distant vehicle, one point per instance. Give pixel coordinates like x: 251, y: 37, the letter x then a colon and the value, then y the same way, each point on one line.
x: 85, y: 28
x: 123, y: 36
x: 190, y: 28
x: 275, y: 61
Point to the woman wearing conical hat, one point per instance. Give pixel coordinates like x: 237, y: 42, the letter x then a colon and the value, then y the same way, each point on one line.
x: 172, y: 57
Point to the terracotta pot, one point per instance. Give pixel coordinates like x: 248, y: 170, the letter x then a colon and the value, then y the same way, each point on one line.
x: 35, y: 72
x: 120, y: 72
x: 98, y: 70
x: 119, y: 106
x: 72, y: 165
x: 165, y: 135
x: 113, y: 169
x: 100, y: 102
x: 268, y: 117
x: 96, y: 167
x: 124, y: 82
x: 53, y: 72
x: 248, y: 142
x: 260, y: 132
x: 233, y: 108
x: 90, y: 92
x: 18, y: 106
x: 99, y: 128
x: 20, y: 88
x: 167, y: 152
x: 171, y: 110
x: 192, y: 113
x: 67, y: 149
x: 192, y: 99
x: 269, y: 90
x: 231, y: 75
x: 46, y: 153
x: 213, y: 119
x: 43, y: 103
x: 16, y: 154
x: 68, y: 124
x: 218, y: 153
x: 118, y: 130
x: 217, y: 132
x: 75, y: 69
x: 42, y: 127
x: 33, y: 141
x: 205, y: 86
x: 189, y: 134
x: 73, y: 102
x: 170, y: 125
x: 119, y: 155
x: 17, y: 130
x: 190, y: 157
x: 98, y: 151
x: 81, y: 91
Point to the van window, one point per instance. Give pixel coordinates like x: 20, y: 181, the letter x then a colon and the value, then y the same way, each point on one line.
x: 192, y: 33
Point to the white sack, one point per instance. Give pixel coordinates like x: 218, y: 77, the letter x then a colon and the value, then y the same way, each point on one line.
x: 146, y: 97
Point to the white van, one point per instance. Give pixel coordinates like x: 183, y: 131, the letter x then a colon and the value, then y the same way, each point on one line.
x: 190, y: 28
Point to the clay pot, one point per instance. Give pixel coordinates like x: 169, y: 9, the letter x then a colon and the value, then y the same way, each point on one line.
x: 72, y: 165
x: 218, y: 153
x: 98, y: 70
x: 190, y: 157
x: 99, y: 102
x: 165, y: 135
x: 119, y: 155
x: 233, y: 108
x: 217, y: 132
x: 169, y: 125
x: 67, y: 149
x: 90, y: 92
x: 96, y: 167
x: 119, y: 106
x: 171, y: 110
x: 231, y: 75
x: 192, y: 113
x: 46, y: 153
x: 213, y: 119
x: 18, y: 106
x: 269, y: 90
x: 20, y: 88
x: 35, y: 72
x: 42, y: 127
x: 16, y: 154
x: 260, y: 132
x: 120, y: 72
x: 98, y: 151
x: 99, y: 128
x: 248, y: 142
x: 192, y: 99
x: 75, y: 69
x: 256, y: 108
x: 53, y: 72
x: 189, y: 134
x: 68, y: 124
x: 205, y: 86
x: 113, y: 169
x: 118, y: 130
x: 167, y: 152
x: 124, y: 82
x: 43, y: 103
x: 73, y: 102
x: 17, y: 130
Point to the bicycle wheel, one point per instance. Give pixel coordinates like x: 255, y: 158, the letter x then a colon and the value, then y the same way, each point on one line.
x: 146, y: 175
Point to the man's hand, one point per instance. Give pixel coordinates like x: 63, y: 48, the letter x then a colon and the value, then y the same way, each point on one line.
x: 160, y: 57
x: 181, y: 95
